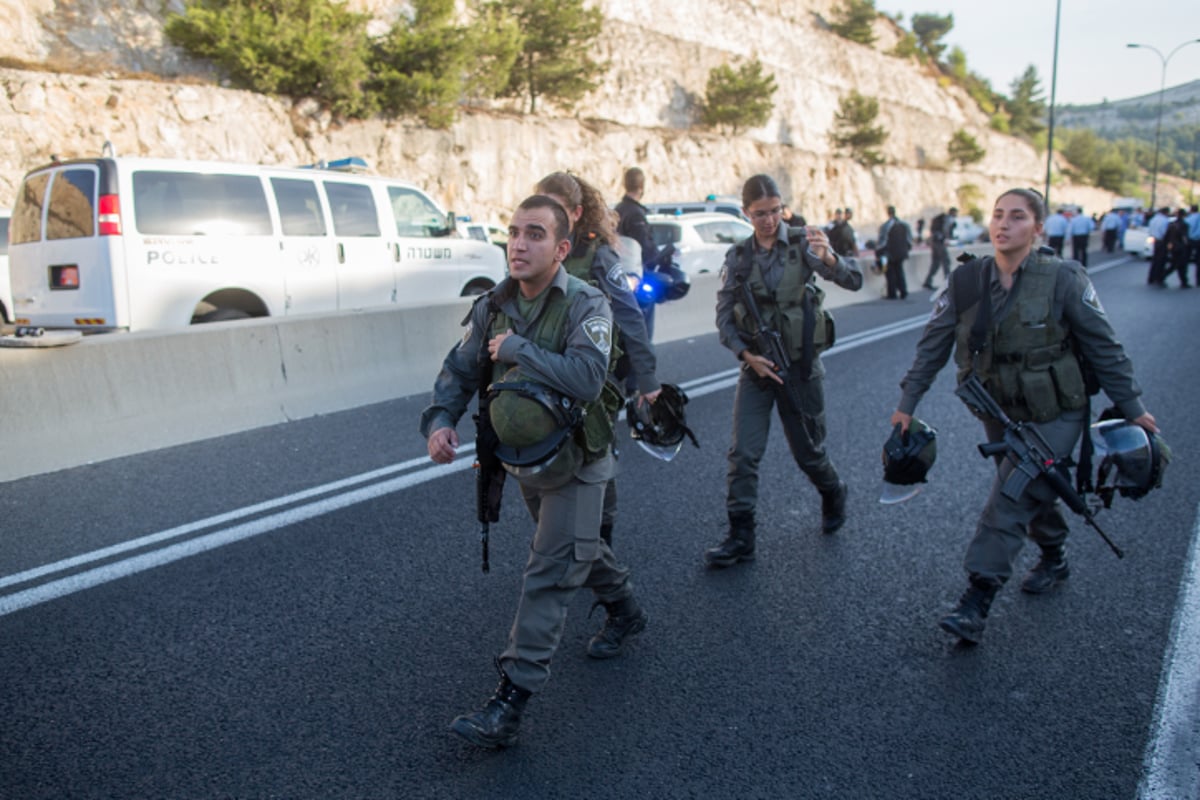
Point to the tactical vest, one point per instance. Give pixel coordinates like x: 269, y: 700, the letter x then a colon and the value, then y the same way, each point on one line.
x: 550, y: 333
x: 581, y: 266
x: 1029, y: 365
x: 784, y: 309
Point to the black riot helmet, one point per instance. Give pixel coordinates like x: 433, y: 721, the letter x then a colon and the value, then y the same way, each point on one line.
x: 907, y: 457
x: 1131, y: 461
x: 659, y: 427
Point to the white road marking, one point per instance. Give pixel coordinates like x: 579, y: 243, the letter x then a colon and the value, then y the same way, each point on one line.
x: 1169, y: 769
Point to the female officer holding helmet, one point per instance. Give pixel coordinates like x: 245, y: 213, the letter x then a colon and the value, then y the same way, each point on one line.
x: 1036, y: 311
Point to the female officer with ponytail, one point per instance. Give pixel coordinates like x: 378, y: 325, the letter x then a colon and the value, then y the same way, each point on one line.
x: 1027, y: 311
x: 777, y: 264
x: 594, y: 258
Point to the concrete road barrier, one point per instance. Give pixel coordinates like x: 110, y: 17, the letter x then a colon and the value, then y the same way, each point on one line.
x: 118, y: 394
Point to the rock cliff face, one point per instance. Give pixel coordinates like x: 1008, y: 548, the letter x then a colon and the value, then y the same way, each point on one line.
x: 660, y: 55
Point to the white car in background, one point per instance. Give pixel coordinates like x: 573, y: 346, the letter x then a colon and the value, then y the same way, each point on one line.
x: 1138, y: 242
x: 6, y: 306
x: 968, y: 231
x: 701, y: 239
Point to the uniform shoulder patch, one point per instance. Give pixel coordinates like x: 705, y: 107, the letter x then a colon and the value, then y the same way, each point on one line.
x: 941, y: 302
x: 616, y: 275
x: 1091, y: 299
x: 599, y: 333
x: 470, y: 328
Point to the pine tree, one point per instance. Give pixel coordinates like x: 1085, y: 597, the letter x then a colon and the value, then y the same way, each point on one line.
x: 855, y: 20
x: 964, y: 148
x: 930, y: 29
x: 555, y: 61
x: 854, y: 132
x: 1027, y: 106
x: 738, y: 98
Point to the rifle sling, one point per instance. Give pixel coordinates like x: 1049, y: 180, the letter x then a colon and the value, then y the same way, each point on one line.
x: 807, y: 348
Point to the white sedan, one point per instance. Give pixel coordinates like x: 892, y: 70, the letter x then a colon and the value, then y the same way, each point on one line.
x: 1138, y: 242
x: 701, y: 239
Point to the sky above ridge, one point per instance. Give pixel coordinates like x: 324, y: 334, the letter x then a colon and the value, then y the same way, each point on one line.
x: 1094, y: 64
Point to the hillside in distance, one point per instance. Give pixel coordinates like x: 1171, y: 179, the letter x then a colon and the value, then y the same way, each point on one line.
x: 1136, y: 116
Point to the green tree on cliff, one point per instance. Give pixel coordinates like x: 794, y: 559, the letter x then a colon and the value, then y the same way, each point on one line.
x: 964, y: 148
x: 855, y: 20
x: 298, y: 48
x: 854, y: 132
x: 740, y: 98
x: 424, y: 68
x: 1027, y: 107
x: 555, y: 61
x: 930, y: 29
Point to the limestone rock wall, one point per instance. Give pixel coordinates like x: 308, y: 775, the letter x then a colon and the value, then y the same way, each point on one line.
x: 660, y: 54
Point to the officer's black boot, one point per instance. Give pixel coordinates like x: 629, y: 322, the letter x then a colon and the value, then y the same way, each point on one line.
x: 738, y: 545
x: 606, y: 533
x: 625, y: 618
x: 967, y: 620
x: 833, y: 508
x: 1049, y: 572
x: 499, y: 721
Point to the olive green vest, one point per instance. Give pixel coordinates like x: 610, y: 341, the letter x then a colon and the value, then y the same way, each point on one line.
x: 550, y: 333
x: 783, y: 309
x: 581, y: 266
x: 1030, y: 366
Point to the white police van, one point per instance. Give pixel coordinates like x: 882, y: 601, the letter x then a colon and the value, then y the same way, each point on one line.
x: 116, y: 243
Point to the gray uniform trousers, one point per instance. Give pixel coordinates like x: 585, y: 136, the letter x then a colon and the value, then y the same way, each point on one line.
x: 566, y: 554
x: 805, y: 433
x: 1005, y: 523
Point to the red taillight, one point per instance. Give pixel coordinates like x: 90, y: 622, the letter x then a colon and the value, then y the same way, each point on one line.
x: 109, y: 215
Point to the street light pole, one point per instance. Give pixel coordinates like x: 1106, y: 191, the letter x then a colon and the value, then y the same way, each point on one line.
x: 1158, y: 127
x: 1053, y: 87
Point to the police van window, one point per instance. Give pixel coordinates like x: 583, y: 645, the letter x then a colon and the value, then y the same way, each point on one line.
x: 198, y: 204
x: 299, y: 207
x: 415, y: 214
x: 353, y: 209
x: 27, y: 213
x: 72, y: 193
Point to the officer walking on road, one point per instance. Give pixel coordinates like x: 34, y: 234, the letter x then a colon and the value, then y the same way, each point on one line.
x: 777, y: 263
x: 548, y: 337
x: 1031, y: 309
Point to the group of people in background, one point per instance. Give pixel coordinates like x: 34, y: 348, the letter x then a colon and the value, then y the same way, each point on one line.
x: 1176, y: 244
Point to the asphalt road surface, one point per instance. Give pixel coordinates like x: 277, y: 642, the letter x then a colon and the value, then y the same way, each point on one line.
x: 299, y: 612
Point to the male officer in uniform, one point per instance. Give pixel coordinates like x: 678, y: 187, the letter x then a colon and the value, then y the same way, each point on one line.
x: 556, y: 331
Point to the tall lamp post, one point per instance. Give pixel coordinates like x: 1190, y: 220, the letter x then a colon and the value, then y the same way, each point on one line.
x: 1158, y: 127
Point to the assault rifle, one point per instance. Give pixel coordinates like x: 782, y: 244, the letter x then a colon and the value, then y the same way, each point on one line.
x: 489, y: 470
x: 1030, y: 453
x: 769, y: 344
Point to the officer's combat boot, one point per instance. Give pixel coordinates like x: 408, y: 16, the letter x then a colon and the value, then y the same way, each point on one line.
x: 967, y: 620
x: 1049, y: 572
x: 625, y: 618
x: 833, y: 508
x: 738, y: 545
x: 606, y: 533
x: 499, y: 721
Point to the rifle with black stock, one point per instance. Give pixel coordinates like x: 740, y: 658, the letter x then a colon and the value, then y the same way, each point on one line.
x: 769, y: 344
x: 489, y: 470
x: 1031, y: 455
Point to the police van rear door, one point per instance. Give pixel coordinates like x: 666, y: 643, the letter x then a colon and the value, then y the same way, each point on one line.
x: 66, y: 250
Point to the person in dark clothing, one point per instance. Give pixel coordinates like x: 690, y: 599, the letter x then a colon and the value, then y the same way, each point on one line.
x: 1178, y: 248
x: 632, y: 223
x: 895, y: 240
x: 841, y: 236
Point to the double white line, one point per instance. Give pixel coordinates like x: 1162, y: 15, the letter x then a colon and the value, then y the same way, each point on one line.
x: 52, y: 581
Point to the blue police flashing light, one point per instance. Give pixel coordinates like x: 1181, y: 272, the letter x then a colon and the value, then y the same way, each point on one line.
x: 351, y: 164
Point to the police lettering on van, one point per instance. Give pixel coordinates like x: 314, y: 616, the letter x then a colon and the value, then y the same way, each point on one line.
x: 117, y: 243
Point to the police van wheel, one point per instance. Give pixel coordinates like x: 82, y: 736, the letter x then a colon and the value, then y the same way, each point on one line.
x: 220, y: 315
x: 475, y: 288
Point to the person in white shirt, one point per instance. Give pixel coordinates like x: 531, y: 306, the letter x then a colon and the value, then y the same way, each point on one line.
x: 1110, y: 228
x: 1055, y: 230
x: 1081, y: 228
